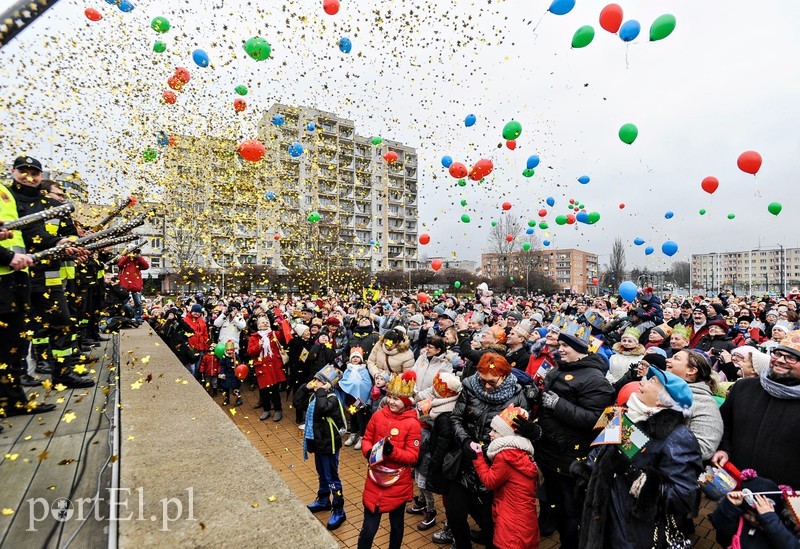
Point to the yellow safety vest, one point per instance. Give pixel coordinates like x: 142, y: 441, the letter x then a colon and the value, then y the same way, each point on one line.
x: 8, y: 212
x: 52, y: 276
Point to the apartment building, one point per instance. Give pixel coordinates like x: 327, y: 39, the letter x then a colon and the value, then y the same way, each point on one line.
x: 572, y: 269
x: 757, y: 271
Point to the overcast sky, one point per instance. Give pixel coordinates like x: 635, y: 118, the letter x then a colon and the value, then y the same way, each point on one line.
x: 86, y: 96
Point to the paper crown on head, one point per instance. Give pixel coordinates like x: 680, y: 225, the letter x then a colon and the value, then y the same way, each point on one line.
x: 503, y: 423
x: 577, y: 331
x: 632, y: 332
x: 329, y: 374
x: 446, y: 385
x: 229, y: 345
x: 558, y: 323
x: 357, y: 351
x: 595, y: 319
x: 402, y: 386
x: 791, y: 343
x: 684, y: 331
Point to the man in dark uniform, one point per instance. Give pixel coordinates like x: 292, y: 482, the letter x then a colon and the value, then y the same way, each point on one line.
x: 49, y: 313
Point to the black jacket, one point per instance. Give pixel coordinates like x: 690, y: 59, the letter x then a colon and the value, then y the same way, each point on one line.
x: 31, y: 200
x: 473, y: 415
x: 359, y: 337
x: 328, y: 419
x: 519, y: 358
x: 584, y: 392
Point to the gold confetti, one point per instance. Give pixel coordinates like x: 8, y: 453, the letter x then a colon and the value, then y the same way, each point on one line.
x: 60, y: 387
x: 42, y: 456
x: 12, y: 457
x: 146, y: 359
x: 272, y: 498
x: 254, y: 505
x: 69, y: 417
x: 6, y: 511
x: 136, y: 384
x: 79, y: 369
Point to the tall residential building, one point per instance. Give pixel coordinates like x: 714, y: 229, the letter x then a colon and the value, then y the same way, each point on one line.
x: 749, y: 271
x: 572, y: 269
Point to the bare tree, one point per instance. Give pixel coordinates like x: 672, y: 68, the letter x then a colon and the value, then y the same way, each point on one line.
x: 498, y: 236
x: 681, y: 273
x: 615, y: 270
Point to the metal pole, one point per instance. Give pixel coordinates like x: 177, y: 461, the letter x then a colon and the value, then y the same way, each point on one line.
x: 750, y: 274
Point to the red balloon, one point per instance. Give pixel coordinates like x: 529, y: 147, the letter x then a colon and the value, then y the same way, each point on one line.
x: 241, y: 371
x: 571, y: 200
x: 481, y: 169
x: 594, y: 281
x: 277, y: 237
x: 390, y: 157
x: 506, y: 206
x: 458, y: 170
x: 174, y: 83
x: 239, y: 104
x: 570, y: 219
x: 509, y: 238
x: 749, y: 162
x: 172, y: 140
x: 622, y: 206
x: 331, y: 7
x: 436, y: 264
x: 625, y: 393
x: 169, y: 97
x: 611, y: 18
x: 252, y: 150
x: 182, y: 74
x: 511, y: 144
x: 92, y: 14
x: 422, y: 297
x: 542, y: 213
x: 710, y: 184
x: 424, y: 238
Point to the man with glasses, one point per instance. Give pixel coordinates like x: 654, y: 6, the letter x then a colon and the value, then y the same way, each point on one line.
x: 762, y: 418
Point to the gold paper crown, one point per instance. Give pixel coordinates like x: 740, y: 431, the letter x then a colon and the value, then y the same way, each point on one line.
x: 685, y: 331
x: 399, y: 387
x: 509, y: 414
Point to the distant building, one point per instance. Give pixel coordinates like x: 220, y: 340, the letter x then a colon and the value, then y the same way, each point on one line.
x: 465, y: 264
x: 572, y: 269
x: 776, y: 269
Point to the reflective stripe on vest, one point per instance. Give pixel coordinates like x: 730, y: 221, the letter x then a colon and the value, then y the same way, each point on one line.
x: 67, y: 270
x: 52, y: 278
x: 52, y: 225
x: 8, y: 212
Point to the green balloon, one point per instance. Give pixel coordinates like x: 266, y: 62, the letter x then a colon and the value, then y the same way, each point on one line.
x: 775, y: 208
x: 258, y: 48
x: 512, y: 130
x: 241, y: 89
x: 465, y: 218
x: 593, y: 218
x: 543, y: 225
x: 526, y: 246
x: 219, y: 350
x: 731, y: 216
x: 462, y: 182
x: 628, y: 133
x: 494, y: 223
x: 160, y: 24
x: 377, y: 140
x: 703, y: 211
x: 457, y: 284
x: 561, y: 219
x: 662, y: 27
x: 511, y: 278
x: 583, y: 37
x: 528, y: 172
x: 531, y: 223
x: 580, y: 206
x: 313, y: 217
x: 149, y: 154
x: 159, y: 46
x: 463, y: 202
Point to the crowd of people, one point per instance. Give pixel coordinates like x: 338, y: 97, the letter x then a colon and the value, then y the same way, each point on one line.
x: 491, y: 403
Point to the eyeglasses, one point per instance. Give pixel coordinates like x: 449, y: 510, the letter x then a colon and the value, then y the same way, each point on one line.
x: 491, y: 383
x: 787, y: 357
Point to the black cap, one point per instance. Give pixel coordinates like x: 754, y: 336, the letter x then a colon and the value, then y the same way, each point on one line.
x: 27, y: 162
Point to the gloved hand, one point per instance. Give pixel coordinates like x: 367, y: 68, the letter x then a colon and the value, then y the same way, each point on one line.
x: 469, y: 453
x: 475, y: 448
x: 527, y: 428
x: 549, y: 399
x: 221, y: 376
x: 388, y: 448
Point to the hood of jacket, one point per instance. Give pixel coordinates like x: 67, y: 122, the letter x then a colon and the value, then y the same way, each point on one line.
x: 404, y: 345
x: 498, y: 348
x: 589, y: 361
x: 699, y: 387
x: 517, y: 450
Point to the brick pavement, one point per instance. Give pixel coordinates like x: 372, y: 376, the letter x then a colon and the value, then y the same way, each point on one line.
x: 281, y: 443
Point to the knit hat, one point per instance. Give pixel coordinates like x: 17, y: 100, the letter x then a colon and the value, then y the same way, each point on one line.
x: 538, y: 318
x: 772, y: 312
x: 664, y: 330
x: 332, y: 320
x: 782, y: 325
x: 503, y: 423
x: 439, y: 309
x: 515, y: 315
x: 656, y: 359
x: 483, y: 287
x: 675, y: 386
x: 197, y: 308
x: 702, y: 308
x: 419, y: 319
x: 791, y: 343
x: 451, y: 314
x: 656, y: 351
x: 300, y: 329
x: 720, y: 324
x: 718, y: 308
x: 684, y: 331
x: 575, y: 336
x: 446, y: 385
x: 357, y: 351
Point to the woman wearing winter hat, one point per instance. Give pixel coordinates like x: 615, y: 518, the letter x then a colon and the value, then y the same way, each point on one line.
x: 626, y: 498
x: 705, y: 420
x: 265, y: 350
x: 628, y: 351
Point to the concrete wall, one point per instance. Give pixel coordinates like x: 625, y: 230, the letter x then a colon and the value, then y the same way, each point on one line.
x: 176, y: 443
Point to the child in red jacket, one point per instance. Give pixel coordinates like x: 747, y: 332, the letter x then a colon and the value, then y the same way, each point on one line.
x: 512, y: 477
x: 391, y: 444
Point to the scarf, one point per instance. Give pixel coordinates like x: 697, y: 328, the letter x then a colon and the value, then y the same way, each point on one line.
x: 266, y: 344
x: 498, y: 395
x: 777, y: 389
x: 442, y: 406
x: 513, y: 442
x: 639, y: 412
x: 308, y: 432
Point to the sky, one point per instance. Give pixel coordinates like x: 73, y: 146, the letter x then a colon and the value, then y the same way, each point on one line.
x: 86, y: 96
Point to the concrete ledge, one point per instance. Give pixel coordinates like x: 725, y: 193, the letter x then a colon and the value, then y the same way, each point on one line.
x: 190, y: 477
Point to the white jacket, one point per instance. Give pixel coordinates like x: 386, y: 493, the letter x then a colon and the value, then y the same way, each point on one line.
x: 230, y: 329
x: 426, y: 369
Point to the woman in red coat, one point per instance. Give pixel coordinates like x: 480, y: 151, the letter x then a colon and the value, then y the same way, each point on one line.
x: 263, y: 346
x: 394, y: 434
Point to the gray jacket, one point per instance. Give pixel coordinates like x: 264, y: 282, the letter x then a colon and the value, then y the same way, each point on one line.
x: 706, y: 421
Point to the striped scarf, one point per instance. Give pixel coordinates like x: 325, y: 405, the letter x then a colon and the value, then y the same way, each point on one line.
x: 308, y: 432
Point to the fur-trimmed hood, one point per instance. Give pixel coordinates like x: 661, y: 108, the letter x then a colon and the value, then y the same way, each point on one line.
x: 513, y: 442
x: 639, y: 350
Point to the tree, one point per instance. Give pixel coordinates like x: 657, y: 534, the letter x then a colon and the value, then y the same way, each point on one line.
x: 615, y: 270
x: 681, y: 273
x: 498, y: 236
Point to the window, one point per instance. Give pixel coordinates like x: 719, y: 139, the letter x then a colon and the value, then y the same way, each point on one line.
x: 155, y: 262
x: 155, y: 243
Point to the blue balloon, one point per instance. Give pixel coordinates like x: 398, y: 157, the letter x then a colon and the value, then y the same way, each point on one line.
x: 112, y: 2
x: 200, y: 58
x: 345, y: 45
x: 529, y: 230
x: 561, y: 7
x: 533, y: 161
x: 124, y: 6
x: 551, y: 201
x: 278, y: 120
x: 446, y: 161
x: 630, y: 30
x: 583, y: 180
x: 583, y: 217
x: 668, y: 215
x: 669, y: 248
x: 628, y: 291
x: 546, y: 242
x: 295, y: 149
x: 638, y: 241
x: 311, y: 126
x: 648, y: 250
x: 269, y: 195
x: 470, y: 120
